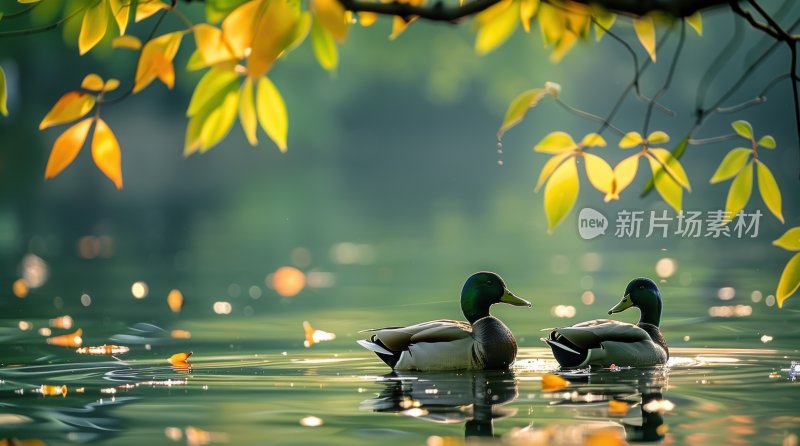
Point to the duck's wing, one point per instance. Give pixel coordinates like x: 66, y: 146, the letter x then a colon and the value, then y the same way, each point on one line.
x: 592, y: 333
x: 434, y: 345
x: 604, y: 342
x: 398, y: 339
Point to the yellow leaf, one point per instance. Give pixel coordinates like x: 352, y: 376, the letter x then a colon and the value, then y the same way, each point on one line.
x: 324, y: 47
x: 211, y: 45
x: 3, y: 93
x: 180, y: 359
x: 68, y: 108
x: 646, y: 33
x: 247, y: 111
x: 527, y: 9
x: 696, y: 22
x: 238, y: 28
x: 604, y: 20
x: 216, y: 95
x: 145, y: 9
x: 743, y: 128
x: 551, y: 383
x: 331, y: 16
x: 740, y: 190
x: 593, y: 140
x: 121, y: 12
x: 631, y: 139
x: 66, y: 148
x: 92, y: 82
x: 599, y: 172
x: 731, y: 164
x: 272, y: 112
x: 564, y: 44
x: 790, y: 240
x: 667, y: 187
x: 127, y: 42
x: 493, y: 32
x: 549, y: 167
x: 367, y: 18
x: 770, y: 192
x: 275, y: 30
x: 519, y: 107
x: 672, y: 167
x: 657, y: 137
x: 111, y: 85
x: 210, y: 84
x: 155, y: 60
x: 555, y: 142
x: 95, y: 23
x: 561, y: 193
x: 624, y: 173
x: 106, y: 153
x: 767, y: 142
x: 789, y: 281
x: 219, y: 121
x: 551, y: 23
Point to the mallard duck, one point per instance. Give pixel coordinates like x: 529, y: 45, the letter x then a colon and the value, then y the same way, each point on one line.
x: 604, y: 342
x: 482, y: 343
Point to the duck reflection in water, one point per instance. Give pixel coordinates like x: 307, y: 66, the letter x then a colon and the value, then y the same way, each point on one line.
x: 475, y: 398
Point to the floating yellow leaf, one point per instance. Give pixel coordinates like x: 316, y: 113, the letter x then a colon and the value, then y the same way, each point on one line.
x: 275, y: 31
x: 272, y: 112
x: 145, y: 9
x: 667, y: 187
x: 555, y: 142
x: 73, y: 339
x: 93, y: 28
x: 790, y: 240
x: 551, y: 383
x: 624, y: 173
x: 247, y: 111
x: 770, y: 192
x: 672, y: 167
x: 561, y: 193
x: 68, y: 108
x: 331, y: 15
x: 527, y: 9
x: 121, y: 10
x: 733, y: 162
x: 519, y: 107
x: 743, y: 128
x: 492, y: 32
x: 618, y: 408
x: 315, y: 336
x: 103, y: 350
x: 657, y: 137
x: 789, y: 281
x: 696, y: 22
x: 180, y: 359
x: 175, y: 301
x: 127, y: 42
x: 646, y: 33
x: 92, y: 82
x: 631, y: 139
x: 599, y: 172
x: 740, y: 190
x: 219, y: 121
x: 3, y: 93
x: 155, y: 60
x: 324, y: 47
x: 66, y: 148
x: 46, y: 390
x: 106, y: 153
x: 550, y: 166
x: 767, y: 142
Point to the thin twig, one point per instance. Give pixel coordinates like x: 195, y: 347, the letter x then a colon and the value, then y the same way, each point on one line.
x: 587, y: 115
x: 436, y: 12
x: 21, y: 12
x: 668, y: 80
x: 719, y: 62
x: 714, y: 139
x: 54, y: 25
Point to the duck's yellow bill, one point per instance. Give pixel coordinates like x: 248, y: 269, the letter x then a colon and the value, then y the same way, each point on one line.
x: 623, y: 305
x: 512, y: 299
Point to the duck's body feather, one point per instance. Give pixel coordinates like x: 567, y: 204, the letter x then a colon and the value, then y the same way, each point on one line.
x: 445, y: 345
x: 604, y: 342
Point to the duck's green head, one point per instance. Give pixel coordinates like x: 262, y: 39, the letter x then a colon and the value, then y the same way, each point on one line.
x: 641, y: 293
x: 481, y: 291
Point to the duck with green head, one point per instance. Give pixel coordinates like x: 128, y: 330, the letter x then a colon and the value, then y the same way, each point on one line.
x: 481, y: 343
x: 604, y: 342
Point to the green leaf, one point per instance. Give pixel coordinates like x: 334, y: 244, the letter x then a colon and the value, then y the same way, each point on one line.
x: 561, y: 193
x: 219, y: 121
x: 731, y: 164
x: 696, y: 22
x: 555, y: 142
x: 739, y: 193
x: 789, y: 281
x: 624, y: 173
x: 770, y: 192
x: 672, y: 167
x: 630, y: 140
x: 549, y: 167
x: 247, y: 112
x: 500, y: 23
x: 95, y: 23
x: 324, y: 47
x: 3, y: 93
x: 677, y: 153
x: 767, y: 142
x: 593, y: 140
x: 790, y: 240
x: 519, y: 107
x: 599, y: 173
x: 604, y: 20
x: 210, y: 84
x: 197, y: 122
x: 667, y: 187
x: 272, y: 112
x: 743, y: 128
x: 646, y: 32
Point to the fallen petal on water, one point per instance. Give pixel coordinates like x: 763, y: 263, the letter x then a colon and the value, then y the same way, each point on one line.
x: 46, y: 390
x: 551, y: 383
x: 180, y: 359
x: 618, y: 408
x: 73, y: 339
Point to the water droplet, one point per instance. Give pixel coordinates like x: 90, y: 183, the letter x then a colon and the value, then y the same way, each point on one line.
x: 499, y: 145
x: 499, y: 162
